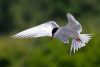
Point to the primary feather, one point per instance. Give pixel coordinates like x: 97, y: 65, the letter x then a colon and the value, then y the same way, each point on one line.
x: 71, y: 30
x: 73, y: 24
x: 38, y: 31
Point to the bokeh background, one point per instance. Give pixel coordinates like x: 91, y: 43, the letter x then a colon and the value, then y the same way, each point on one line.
x: 18, y: 15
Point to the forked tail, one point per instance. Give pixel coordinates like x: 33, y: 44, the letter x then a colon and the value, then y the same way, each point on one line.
x: 77, y: 45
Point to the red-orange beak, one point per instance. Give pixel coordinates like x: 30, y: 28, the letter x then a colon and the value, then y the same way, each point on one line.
x: 51, y: 37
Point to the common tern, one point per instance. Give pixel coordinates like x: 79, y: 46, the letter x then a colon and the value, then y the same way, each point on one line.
x: 50, y: 28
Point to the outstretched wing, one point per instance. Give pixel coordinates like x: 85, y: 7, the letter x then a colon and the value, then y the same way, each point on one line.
x: 37, y: 31
x: 73, y: 24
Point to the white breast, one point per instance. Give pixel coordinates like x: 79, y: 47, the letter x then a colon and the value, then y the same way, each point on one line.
x: 63, y: 34
x: 63, y: 31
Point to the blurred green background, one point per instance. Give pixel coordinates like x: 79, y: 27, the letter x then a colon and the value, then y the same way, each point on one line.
x: 18, y: 15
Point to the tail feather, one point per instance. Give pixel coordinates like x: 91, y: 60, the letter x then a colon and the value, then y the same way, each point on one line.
x: 77, y: 45
x: 85, y: 37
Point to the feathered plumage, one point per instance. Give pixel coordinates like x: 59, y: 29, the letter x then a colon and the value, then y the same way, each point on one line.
x: 50, y: 28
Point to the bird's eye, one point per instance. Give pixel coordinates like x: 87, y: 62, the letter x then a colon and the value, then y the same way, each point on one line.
x: 54, y: 30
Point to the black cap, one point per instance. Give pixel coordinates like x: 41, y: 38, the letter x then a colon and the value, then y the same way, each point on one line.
x: 54, y: 30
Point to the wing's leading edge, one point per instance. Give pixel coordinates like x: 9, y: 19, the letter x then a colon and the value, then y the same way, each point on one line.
x: 37, y: 31
x: 73, y: 24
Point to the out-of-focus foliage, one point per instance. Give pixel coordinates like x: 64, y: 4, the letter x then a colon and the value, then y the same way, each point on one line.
x: 20, y: 14
x: 17, y: 15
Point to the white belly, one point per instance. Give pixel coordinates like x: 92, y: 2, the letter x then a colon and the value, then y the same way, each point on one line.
x: 63, y: 34
x: 66, y: 33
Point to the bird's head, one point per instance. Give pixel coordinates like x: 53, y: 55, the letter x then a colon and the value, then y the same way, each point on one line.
x: 53, y: 32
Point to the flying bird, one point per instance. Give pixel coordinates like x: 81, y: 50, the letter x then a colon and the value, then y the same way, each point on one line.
x: 72, y: 30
